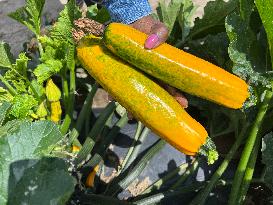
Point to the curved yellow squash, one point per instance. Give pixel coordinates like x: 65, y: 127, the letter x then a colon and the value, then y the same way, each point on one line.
x: 145, y: 99
x: 176, y: 67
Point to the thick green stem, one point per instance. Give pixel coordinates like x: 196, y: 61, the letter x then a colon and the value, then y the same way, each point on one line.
x: 254, y: 133
x: 9, y: 87
x: 65, y: 93
x: 249, y: 172
x: 131, y: 149
x: 86, y: 107
x: 65, y: 125
x: 72, y: 90
x: 202, y: 195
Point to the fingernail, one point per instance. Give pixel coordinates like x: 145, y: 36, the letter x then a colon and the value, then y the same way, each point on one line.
x: 151, y: 41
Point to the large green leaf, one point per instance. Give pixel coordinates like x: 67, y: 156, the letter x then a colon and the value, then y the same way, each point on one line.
x: 45, y: 181
x: 29, y: 141
x: 214, y: 16
x: 265, y: 8
x: 249, y: 61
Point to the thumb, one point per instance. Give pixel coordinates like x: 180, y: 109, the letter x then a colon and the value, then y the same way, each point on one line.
x: 158, y: 35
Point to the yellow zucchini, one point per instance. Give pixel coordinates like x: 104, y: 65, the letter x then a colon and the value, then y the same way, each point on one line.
x: 176, y: 67
x: 144, y: 98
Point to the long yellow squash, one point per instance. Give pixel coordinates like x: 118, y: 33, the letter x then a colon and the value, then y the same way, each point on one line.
x: 145, y: 99
x: 176, y: 67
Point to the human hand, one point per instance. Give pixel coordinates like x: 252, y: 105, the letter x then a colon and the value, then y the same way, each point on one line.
x: 158, y: 34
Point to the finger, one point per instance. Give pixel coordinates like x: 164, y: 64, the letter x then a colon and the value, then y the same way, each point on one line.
x: 180, y: 98
x: 159, y: 34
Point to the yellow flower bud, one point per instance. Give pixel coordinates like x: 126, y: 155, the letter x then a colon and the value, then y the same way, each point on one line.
x: 56, y: 111
x: 53, y: 93
x: 41, y: 111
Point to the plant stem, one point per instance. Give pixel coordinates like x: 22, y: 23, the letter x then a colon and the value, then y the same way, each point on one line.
x: 136, y: 149
x: 131, y: 149
x: 201, y: 197
x: 65, y: 92
x: 95, y: 131
x: 65, y: 125
x: 40, y: 47
x: 72, y: 90
x: 187, y: 173
x: 117, y: 186
x: 9, y: 87
x: 254, y: 133
x: 157, y: 185
x: 86, y: 107
x: 249, y: 172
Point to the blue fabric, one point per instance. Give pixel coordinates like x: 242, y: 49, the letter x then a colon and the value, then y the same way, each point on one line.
x: 127, y: 11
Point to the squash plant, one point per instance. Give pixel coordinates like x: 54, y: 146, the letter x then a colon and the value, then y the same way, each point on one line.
x: 53, y: 148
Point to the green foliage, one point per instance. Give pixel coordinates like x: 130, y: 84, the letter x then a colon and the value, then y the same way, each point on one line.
x: 214, y: 17
x: 168, y: 13
x: 99, y: 15
x: 17, y: 74
x: 41, y: 182
x: 185, y: 17
x: 62, y: 29
x: 5, y: 56
x: 266, y: 13
x: 30, y: 15
x: 248, y: 62
x: 47, y: 69
x: 29, y: 141
x: 22, y: 105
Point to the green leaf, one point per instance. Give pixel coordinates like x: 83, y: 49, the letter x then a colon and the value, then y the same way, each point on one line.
x: 267, y: 153
x: 100, y: 15
x: 249, y: 62
x: 38, y: 89
x: 5, y: 56
x: 47, y: 69
x: 29, y: 141
x: 17, y: 75
x: 212, y: 48
x: 214, y: 16
x: 5, y: 96
x: 22, y: 105
x: 41, y: 182
x: 30, y: 15
x: 168, y: 13
x: 4, y: 107
x: 62, y: 29
x: 265, y: 8
x: 246, y: 8
x: 185, y: 17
